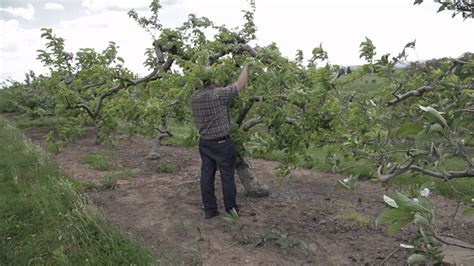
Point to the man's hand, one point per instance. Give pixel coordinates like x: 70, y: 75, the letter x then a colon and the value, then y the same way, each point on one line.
x: 243, y: 78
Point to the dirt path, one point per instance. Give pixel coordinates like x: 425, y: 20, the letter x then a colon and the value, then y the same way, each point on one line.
x: 306, y: 220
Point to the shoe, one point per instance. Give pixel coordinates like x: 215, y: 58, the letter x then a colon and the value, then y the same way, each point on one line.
x: 210, y: 214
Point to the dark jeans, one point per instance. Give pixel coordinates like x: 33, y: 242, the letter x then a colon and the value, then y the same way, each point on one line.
x: 218, y: 154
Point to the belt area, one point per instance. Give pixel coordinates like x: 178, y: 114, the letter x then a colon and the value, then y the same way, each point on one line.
x: 221, y: 138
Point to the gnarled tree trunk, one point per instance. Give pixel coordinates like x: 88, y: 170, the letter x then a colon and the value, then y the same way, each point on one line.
x: 162, y: 133
x: 97, y: 134
x: 155, y: 150
x: 248, y: 178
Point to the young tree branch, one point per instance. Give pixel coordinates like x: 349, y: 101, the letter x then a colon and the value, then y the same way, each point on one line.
x: 236, y: 49
x: 247, y: 108
x: 251, y: 123
x: 86, y: 108
x: 396, y: 170
x: 152, y: 76
x: 418, y: 92
x: 258, y: 120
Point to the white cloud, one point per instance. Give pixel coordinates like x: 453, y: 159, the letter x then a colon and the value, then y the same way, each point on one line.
x: 53, y: 6
x: 18, y: 50
x: 27, y: 13
x: 98, y: 5
x: 300, y: 24
x: 10, y: 30
x: 341, y: 28
x: 102, y: 27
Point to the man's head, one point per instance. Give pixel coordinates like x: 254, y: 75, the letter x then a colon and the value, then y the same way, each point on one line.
x: 208, y: 78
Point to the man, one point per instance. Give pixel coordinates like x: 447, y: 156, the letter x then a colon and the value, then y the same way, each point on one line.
x: 210, y: 108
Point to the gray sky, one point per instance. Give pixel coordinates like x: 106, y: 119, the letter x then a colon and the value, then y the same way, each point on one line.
x: 340, y: 25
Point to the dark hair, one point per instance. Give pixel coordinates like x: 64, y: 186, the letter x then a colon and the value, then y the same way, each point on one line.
x: 206, y: 82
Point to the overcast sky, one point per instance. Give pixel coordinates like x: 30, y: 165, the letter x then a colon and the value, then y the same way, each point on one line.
x: 340, y: 25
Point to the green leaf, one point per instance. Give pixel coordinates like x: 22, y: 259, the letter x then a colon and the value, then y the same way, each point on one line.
x: 410, y: 44
x: 342, y: 184
x: 392, y: 215
x: 467, y: 91
x: 416, y: 258
x: 406, y: 203
x: 232, y: 217
x: 468, y: 212
x: 420, y: 219
x: 390, y: 201
x: 424, y: 202
x: 441, y: 8
x: 409, y: 130
x: 436, y: 128
x: 393, y: 228
x: 434, y: 116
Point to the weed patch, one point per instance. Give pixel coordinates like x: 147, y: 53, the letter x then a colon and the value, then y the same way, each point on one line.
x: 165, y: 168
x: 99, y: 161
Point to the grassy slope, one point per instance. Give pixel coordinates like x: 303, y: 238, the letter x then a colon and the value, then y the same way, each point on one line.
x: 45, y: 220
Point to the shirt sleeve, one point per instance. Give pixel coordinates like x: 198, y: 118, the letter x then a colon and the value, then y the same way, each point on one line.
x: 227, y: 93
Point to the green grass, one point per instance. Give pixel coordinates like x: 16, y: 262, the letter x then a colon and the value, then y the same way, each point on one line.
x: 328, y: 158
x: 356, y: 217
x: 126, y: 174
x: 41, y: 122
x: 165, y: 168
x: 45, y: 221
x: 110, y: 181
x: 362, y: 86
x: 347, y: 213
x: 331, y: 158
x: 183, y: 135
x: 98, y: 161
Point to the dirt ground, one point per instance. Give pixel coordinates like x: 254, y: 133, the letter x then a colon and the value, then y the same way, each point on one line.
x: 306, y: 220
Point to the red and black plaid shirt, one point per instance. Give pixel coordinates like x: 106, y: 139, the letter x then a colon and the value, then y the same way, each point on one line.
x: 210, y: 108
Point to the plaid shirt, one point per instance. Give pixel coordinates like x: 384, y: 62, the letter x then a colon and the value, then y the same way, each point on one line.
x: 210, y: 109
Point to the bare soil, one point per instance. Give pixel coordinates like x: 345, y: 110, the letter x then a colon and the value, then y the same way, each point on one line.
x: 305, y: 221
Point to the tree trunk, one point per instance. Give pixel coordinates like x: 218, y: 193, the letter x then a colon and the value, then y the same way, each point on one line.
x: 155, y: 150
x: 162, y: 133
x: 97, y: 134
x: 248, y: 178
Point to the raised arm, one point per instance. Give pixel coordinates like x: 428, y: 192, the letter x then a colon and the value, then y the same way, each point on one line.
x: 243, y: 78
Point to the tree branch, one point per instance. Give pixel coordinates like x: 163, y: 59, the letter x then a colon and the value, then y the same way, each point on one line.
x: 291, y: 121
x: 452, y: 244
x: 86, y: 108
x: 396, y: 170
x: 236, y: 49
x: 152, y: 76
x: 163, y: 133
x: 254, y: 99
x: 251, y: 123
x: 448, y: 175
x: 257, y: 120
x: 245, y: 48
x: 302, y: 106
x: 418, y: 92
x: 247, y: 108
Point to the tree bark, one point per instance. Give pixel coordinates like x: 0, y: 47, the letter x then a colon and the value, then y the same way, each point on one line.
x: 162, y: 133
x: 248, y: 178
x: 155, y: 150
x: 97, y: 134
